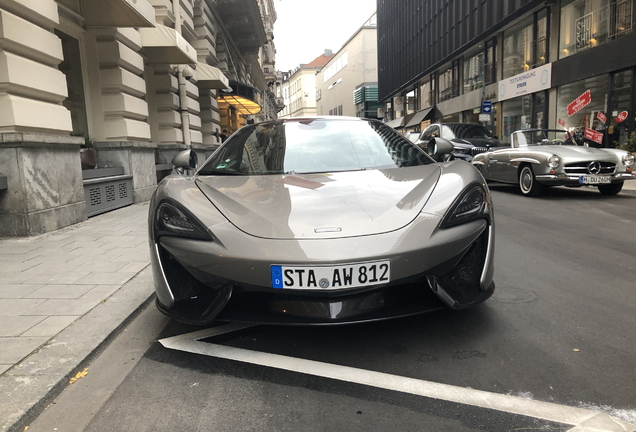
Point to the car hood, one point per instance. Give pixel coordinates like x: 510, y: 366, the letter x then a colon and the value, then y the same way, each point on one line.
x: 477, y: 142
x: 578, y: 153
x: 343, y: 204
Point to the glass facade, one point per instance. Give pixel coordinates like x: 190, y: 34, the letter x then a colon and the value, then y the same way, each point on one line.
x: 517, y: 114
x: 618, y: 132
x: 474, y: 72
x: 586, y: 117
x: 517, y: 47
x: 589, y: 23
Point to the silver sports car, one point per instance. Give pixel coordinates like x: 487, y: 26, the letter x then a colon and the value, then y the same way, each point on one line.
x: 324, y: 220
x: 543, y: 157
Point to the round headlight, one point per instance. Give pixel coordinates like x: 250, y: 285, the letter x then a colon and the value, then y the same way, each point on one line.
x: 554, y: 161
x: 628, y: 160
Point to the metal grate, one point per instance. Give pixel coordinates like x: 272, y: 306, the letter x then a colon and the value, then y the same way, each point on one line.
x: 110, y: 193
x: 107, y: 193
x: 123, y: 190
x: 95, y: 196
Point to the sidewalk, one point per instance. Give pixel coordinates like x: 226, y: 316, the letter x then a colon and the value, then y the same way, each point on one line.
x: 61, y: 295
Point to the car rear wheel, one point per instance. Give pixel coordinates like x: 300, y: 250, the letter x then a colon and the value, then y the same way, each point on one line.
x: 527, y: 182
x: 610, y: 189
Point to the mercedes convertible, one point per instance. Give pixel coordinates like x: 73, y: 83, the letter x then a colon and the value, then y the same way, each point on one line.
x: 537, y: 158
x: 325, y: 220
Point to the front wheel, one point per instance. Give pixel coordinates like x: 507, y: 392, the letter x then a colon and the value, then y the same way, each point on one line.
x: 610, y: 189
x: 528, y: 183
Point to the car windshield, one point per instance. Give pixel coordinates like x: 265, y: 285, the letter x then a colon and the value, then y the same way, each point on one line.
x: 542, y: 137
x: 313, y: 146
x: 465, y: 131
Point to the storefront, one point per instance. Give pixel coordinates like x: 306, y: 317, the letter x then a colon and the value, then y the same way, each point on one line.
x: 524, y: 98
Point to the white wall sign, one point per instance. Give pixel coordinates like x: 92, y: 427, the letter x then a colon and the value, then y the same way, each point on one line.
x: 533, y: 81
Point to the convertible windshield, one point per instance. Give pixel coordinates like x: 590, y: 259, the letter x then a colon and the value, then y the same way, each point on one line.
x: 541, y: 137
x: 465, y: 131
x: 313, y: 146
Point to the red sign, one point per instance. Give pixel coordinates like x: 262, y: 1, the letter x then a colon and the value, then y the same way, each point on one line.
x: 601, y: 117
x: 622, y: 117
x: 578, y: 103
x: 592, y: 135
x: 562, y: 122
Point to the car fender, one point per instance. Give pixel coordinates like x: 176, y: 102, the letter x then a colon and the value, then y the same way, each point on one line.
x: 525, y: 160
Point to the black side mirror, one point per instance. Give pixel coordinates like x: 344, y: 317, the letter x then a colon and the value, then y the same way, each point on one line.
x: 185, y: 160
x: 438, y: 147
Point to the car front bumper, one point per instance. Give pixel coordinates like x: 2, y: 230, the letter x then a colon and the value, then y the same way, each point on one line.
x: 194, y: 284
x: 574, y: 180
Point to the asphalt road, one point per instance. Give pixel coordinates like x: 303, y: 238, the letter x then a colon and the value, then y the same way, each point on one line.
x: 560, y: 328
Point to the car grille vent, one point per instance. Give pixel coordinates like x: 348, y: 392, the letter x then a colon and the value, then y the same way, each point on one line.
x: 581, y: 168
x: 477, y: 150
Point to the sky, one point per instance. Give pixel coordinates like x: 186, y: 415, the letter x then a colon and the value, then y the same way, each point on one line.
x: 305, y: 28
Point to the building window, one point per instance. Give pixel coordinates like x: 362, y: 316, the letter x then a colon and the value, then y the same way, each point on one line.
x: 266, y: 70
x: 474, y: 71
x: 586, y: 24
x: 449, y: 82
x: 490, y: 61
x: 517, y: 44
x: 425, y: 94
x: 336, y: 66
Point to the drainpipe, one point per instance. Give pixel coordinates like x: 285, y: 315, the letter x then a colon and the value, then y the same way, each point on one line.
x: 183, y: 97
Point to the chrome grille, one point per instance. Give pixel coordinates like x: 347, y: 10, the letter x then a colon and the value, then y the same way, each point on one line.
x: 581, y: 168
x: 476, y: 150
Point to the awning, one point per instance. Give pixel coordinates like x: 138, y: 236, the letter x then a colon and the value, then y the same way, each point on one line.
x: 163, y: 45
x: 210, y: 77
x: 118, y: 13
x: 419, y: 117
x: 397, y: 123
x: 243, y: 98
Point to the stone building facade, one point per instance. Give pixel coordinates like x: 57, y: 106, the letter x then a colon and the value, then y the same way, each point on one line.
x: 137, y: 80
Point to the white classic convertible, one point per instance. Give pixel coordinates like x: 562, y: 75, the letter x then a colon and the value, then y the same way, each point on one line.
x: 544, y: 157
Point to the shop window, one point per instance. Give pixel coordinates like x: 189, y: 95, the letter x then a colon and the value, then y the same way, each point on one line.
x: 586, y: 117
x: 517, y: 114
x: 589, y: 23
x: 618, y: 131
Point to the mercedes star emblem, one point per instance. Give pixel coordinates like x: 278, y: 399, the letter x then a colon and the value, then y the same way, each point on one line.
x: 594, y: 168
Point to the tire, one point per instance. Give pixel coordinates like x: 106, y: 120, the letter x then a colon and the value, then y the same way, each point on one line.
x: 527, y: 182
x: 610, y: 189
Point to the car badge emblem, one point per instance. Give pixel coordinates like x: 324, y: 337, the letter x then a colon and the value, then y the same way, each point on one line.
x: 327, y: 229
x: 594, y: 168
x: 324, y: 283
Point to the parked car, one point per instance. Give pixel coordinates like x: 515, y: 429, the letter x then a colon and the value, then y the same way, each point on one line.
x: 468, y: 139
x: 543, y: 157
x: 319, y: 221
x: 413, y: 136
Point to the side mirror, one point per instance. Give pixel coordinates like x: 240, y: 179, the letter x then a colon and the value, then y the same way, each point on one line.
x: 439, y: 147
x: 185, y: 160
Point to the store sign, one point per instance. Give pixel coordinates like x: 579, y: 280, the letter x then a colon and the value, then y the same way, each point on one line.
x: 583, y: 27
x: 601, y: 117
x: 562, y: 122
x: 622, y: 117
x: 592, y: 135
x: 533, y: 81
x: 579, y: 103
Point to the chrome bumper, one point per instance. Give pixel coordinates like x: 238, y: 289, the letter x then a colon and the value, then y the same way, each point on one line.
x: 565, y: 179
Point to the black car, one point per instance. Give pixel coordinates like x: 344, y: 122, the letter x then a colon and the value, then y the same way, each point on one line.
x: 468, y: 139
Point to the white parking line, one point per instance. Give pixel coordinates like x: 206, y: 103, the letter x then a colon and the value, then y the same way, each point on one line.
x: 582, y: 419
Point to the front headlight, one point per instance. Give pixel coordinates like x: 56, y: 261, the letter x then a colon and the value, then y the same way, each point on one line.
x: 628, y: 160
x: 174, y: 220
x: 473, y: 203
x: 554, y: 161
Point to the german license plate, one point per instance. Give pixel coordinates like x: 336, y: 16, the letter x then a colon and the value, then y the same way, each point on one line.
x: 594, y: 179
x: 331, y: 277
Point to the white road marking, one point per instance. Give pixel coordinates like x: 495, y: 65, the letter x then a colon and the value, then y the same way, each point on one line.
x: 583, y: 419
